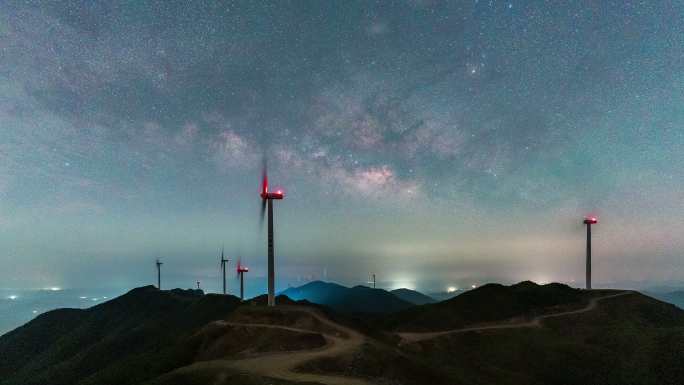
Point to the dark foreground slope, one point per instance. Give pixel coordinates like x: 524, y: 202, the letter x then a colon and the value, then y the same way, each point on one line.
x: 488, y: 303
x: 626, y: 339
x: 124, y: 341
x: 357, y: 299
x: 181, y: 337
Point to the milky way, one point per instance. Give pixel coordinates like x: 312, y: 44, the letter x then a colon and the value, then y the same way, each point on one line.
x: 436, y: 144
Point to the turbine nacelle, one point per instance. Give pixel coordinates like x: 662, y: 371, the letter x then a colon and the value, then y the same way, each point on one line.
x: 265, y: 194
x: 278, y: 194
x: 590, y: 220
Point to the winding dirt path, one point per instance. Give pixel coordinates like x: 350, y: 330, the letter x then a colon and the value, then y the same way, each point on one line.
x: 407, y: 338
x: 281, y: 365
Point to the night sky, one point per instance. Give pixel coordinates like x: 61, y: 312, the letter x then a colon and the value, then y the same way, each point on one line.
x: 435, y: 144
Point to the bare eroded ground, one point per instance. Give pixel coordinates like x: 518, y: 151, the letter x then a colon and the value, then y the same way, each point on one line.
x: 340, y: 340
x: 281, y: 365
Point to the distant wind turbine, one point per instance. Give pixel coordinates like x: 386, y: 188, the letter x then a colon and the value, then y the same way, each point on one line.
x: 224, y: 262
x: 159, y: 263
x: 371, y: 279
x: 241, y: 270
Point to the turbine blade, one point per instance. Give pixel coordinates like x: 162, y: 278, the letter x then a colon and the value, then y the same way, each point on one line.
x: 237, y: 268
x: 263, y: 213
x: 264, y: 177
x: 264, y: 190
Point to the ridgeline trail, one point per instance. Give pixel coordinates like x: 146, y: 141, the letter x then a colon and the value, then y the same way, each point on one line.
x: 408, y: 337
x: 281, y: 365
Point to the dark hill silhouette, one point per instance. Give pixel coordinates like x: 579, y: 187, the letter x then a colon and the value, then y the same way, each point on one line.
x: 178, y: 337
x: 358, y: 299
x: 625, y: 339
x: 124, y: 340
x: 412, y: 296
x: 491, y: 302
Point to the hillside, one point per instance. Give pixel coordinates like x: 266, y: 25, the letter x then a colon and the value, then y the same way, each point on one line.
x: 125, y: 341
x: 488, y: 303
x: 625, y: 339
x: 412, y: 296
x: 519, y: 334
x: 358, y: 299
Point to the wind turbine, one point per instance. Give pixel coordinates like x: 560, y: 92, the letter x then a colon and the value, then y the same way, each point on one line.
x: 224, y: 262
x: 590, y: 220
x: 371, y: 277
x: 241, y: 270
x: 267, y: 198
x: 159, y: 263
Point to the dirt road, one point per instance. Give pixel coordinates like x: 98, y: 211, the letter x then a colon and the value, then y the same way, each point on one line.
x: 281, y: 365
x: 408, y: 338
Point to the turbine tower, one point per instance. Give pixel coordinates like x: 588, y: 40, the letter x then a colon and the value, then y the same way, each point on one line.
x: 224, y: 262
x: 159, y: 263
x: 241, y: 270
x: 590, y: 220
x: 371, y: 277
x: 267, y: 198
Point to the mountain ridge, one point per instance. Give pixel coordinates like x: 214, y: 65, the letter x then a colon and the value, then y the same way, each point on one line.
x: 413, y: 296
x: 357, y: 299
x: 550, y: 334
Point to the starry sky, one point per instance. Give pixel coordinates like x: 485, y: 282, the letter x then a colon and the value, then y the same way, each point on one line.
x: 433, y: 143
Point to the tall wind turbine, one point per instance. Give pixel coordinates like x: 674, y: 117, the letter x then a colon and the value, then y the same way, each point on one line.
x: 224, y: 262
x: 591, y: 220
x: 159, y: 263
x: 241, y: 270
x: 267, y: 198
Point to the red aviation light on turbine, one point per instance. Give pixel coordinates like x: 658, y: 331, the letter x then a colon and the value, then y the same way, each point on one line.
x: 590, y: 220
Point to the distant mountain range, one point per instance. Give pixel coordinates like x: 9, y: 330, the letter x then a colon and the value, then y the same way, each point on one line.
x: 444, y: 295
x: 495, y: 334
x: 357, y: 299
x: 413, y: 296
